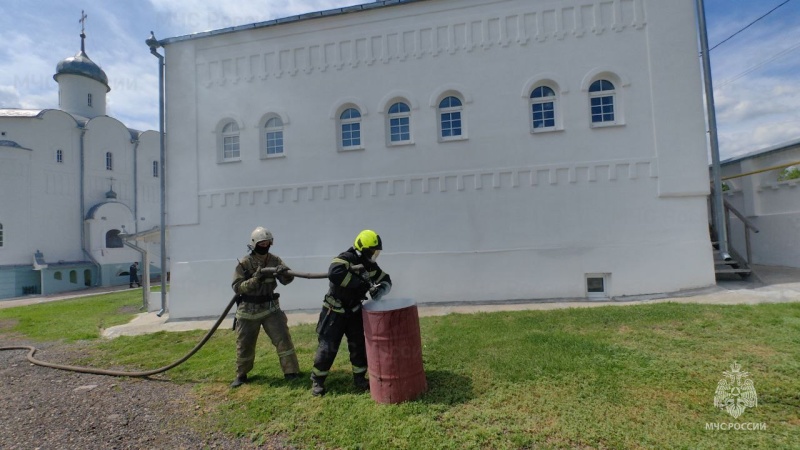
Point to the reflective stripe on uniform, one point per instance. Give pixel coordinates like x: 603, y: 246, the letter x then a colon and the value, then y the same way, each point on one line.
x: 257, y: 316
x: 286, y: 353
x: 383, y: 275
x: 357, y: 369
x: 347, y: 279
x: 319, y: 373
x: 341, y: 261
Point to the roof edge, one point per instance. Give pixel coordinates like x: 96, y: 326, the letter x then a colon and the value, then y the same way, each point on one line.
x: 290, y: 19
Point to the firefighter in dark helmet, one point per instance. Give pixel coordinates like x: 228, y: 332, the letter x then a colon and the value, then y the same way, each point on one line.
x: 351, y: 275
x: 259, y: 308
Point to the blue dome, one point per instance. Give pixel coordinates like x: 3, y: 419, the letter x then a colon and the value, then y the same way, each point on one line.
x: 80, y: 64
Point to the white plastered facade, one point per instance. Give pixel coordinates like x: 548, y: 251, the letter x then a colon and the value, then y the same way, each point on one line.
x: 48, y: 158
x: 503, y: 211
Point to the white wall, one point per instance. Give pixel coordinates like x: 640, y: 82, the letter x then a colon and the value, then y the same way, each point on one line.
x: 504, y: 214
x: 773, y: 206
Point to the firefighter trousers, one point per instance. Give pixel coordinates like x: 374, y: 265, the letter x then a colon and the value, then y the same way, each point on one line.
x: 275, y: 325
x: 331, y: 327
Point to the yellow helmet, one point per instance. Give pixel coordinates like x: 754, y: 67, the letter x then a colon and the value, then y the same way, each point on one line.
x: 368, y: 240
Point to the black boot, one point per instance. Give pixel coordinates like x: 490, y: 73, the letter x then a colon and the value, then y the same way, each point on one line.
x: 361, y: 382
x: 317, y: 385
x: 240, y: 380
x: 291, y: 376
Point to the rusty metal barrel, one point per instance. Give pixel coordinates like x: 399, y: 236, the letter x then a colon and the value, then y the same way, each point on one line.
x: 394, y: 350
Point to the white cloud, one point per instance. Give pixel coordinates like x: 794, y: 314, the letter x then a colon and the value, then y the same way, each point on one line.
x: 9, y: 97
x: 192, y: 16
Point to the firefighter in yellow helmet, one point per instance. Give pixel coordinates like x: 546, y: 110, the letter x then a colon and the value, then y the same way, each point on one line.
x: 341, y: 309
x: 259, y: 308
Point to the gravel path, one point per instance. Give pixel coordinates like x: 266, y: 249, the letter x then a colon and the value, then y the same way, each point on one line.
x: 43, y: 408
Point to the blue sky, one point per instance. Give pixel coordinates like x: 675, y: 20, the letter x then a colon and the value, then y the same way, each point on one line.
x: 756, y: 74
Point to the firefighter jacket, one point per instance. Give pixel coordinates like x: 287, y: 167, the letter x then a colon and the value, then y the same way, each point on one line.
x: 257, y: 297
x: 347, y: 288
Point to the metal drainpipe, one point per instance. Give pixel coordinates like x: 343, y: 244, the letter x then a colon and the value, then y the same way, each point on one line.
x: 135, y: 143
x: 153, y: 43
x: 717, y: 210
x: 83, y: 210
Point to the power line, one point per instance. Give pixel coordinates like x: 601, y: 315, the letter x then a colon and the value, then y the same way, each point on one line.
x: 751, y: 69
x: 749, y: 25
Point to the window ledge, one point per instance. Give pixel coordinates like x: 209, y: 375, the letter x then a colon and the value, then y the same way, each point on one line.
x: 228, y: 161
x: 400, y: 144
x: 452, y: 139
x: 546, y: 130
x: 607, y: 124
x: 274, y: 156
x: 351, y: 149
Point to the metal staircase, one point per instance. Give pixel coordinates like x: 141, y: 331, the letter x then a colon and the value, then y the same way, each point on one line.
x: 733, y: 263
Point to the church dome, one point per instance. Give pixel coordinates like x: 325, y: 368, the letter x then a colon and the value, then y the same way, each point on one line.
x: 80, y: 64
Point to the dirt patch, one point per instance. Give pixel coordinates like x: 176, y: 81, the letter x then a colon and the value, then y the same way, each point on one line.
x: 7, y: 324
x: 49, y: 408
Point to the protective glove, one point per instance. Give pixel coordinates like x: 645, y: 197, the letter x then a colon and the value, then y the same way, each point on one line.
x: 379, y: 290
x: 280, y: 268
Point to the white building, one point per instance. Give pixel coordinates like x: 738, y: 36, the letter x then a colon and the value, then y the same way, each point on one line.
x: 72, y: 180
x: 503, y: 149
x: 763, y: 187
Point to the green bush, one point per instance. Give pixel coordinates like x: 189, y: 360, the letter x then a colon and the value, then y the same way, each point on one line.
x: 789, y: 173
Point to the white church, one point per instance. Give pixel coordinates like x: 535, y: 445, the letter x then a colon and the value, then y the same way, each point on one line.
x: 503, y: 149
x: 75, y: 186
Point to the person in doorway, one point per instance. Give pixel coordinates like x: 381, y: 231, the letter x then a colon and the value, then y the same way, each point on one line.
x: 133, y: 271
x: 351, y: 275
x: 259, y: 307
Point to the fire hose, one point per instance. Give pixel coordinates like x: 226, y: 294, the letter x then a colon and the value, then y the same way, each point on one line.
x: 147, y: 373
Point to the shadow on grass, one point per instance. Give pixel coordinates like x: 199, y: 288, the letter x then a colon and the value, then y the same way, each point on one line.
x: 447, y: 388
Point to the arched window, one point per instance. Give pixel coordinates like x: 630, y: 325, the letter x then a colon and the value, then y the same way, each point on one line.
x: 273, y: 130
x: 602, y: 96
x: 57, y: 275
x: 399, y: 123
x: 350, y: 129
x: 89, y: 100
x: 230, y: 142
x: 87, y: 277
x: 450, y: 120
x: 73, y: 276
x: 1, y: 234
x: 543, y: 109
x: 155, y: 169
x: 59, y: 156
x: 109, y: 161
x: 113, y: 240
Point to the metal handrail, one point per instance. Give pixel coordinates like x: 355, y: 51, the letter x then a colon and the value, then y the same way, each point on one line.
x: 748, y: 226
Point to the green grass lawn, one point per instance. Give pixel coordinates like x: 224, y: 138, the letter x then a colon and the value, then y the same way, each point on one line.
x: 610, y: 377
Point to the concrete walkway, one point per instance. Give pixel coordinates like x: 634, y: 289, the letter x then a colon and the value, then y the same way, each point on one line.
x: 768, y: 284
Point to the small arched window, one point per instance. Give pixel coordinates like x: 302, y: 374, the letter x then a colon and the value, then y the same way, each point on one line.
x: 73, y: 276
x: 230, y: 142
x: 57, y: 276
x: 1, y: 234
x: 602, y: 96
x: 450, y: 118
x: 273, y: 130
x: 543, y: 109
x: 155, y: 169
x: 109, y: 161
x: 113, y: 240
x: 350, y: 129
x: 399, y: 123
x: 89, y: 100
x: 59, y: 156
